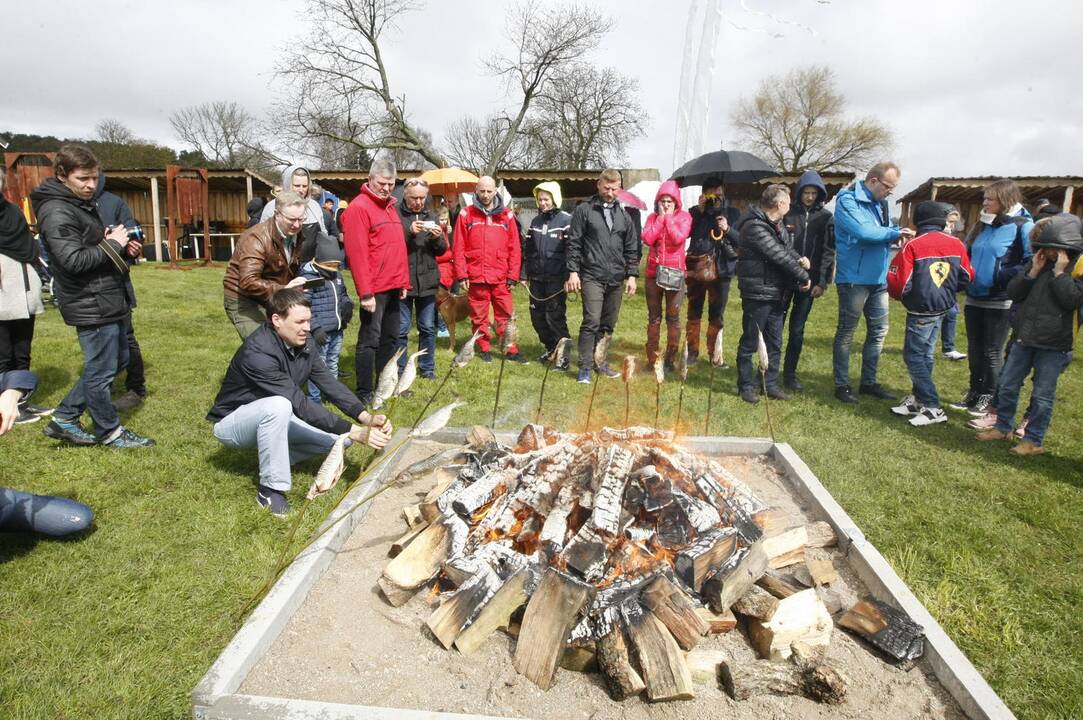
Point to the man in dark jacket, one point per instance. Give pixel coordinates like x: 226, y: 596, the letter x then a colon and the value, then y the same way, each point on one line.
x: 263, y: 403
x: 768, y: 272
x: 90, y: 271
x: 425, y: 242
x: 713, y: 220
x: 547, y: 270
x: 602, y: 252
x: 114, y: 211
x: 807, y: 224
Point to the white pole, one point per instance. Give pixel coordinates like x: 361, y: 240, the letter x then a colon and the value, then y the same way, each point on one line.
x: 156, y: 212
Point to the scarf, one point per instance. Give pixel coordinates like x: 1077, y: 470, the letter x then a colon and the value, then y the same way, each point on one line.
x: 988, y: 218
x: 15, y: 239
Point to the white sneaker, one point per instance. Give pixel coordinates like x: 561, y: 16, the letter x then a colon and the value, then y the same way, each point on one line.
x: 909, y: 406
x: 955, y: 355
x: 929, y: 416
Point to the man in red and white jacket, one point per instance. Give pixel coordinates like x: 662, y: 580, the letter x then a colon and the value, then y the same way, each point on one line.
x: 376, y: 252
x: 487, y: 258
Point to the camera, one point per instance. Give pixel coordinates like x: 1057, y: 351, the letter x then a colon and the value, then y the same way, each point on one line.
x: 429, y: 225
x: 136, y: 234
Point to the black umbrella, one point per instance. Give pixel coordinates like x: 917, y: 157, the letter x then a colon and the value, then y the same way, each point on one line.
x: 730, y: 166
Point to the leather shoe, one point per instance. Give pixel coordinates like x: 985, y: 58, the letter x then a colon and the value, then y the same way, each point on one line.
x: 749, y: 396
x: 876, y: 390
x: 776, y: 393
x: 843, y: 393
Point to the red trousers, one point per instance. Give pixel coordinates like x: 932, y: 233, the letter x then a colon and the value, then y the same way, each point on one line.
x: 481, y: 295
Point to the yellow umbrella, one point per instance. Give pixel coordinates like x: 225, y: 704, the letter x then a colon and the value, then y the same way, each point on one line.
x: 449, y: 181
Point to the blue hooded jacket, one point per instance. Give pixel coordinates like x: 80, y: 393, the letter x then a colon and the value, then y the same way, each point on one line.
x: 998, y: 252
x: 863, y: 237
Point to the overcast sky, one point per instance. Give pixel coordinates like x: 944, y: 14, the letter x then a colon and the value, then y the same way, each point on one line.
x: 970, y: 88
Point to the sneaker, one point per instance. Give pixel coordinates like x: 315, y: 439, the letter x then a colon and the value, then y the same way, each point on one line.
x: 776, y: 393
x: 981, y: 406
x: 792, y: 384
x: 516, y: 357
x: 909, y: 406
x: 564, y: 363
x: 485, y: 356
x: 544, y: 357
x: 584, y: 377
x: 26, y: 417
x: 274, y: 501
x: 609, y: 372
x: 69, y: 431
x: 129, y: 400
x: 876, y: 390
x: 749, y: 395
x: 966, y: 402
x: 989, y: 420
x: 443, y: 333
x: 928, y: 416
x: 843, y: 393
x: 1021, y: 430
x: 1027, y: 448
x: 993, y: 434
x: 124, y: 439
x: 428, y: 376
x: 35, y: 409
x: 954, y: 355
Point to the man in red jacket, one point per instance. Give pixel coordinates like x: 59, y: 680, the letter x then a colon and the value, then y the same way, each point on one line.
x: 487, y: 257
x: 376, y: 251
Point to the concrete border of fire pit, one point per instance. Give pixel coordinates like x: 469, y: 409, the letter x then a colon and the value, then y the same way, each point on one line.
x: 216, y: 697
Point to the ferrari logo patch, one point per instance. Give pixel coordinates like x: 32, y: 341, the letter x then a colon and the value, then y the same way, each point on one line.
x: 939, y: 272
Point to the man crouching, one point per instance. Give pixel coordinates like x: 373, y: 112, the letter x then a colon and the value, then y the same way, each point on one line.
x: 263, y: 403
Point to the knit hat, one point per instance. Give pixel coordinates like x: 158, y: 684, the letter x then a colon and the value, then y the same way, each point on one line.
x: 932, y: 213
x: 1061, y: 232
x: 327, y: 252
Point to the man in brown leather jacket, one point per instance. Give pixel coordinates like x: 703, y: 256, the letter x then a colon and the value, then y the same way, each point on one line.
x: 265, y: 260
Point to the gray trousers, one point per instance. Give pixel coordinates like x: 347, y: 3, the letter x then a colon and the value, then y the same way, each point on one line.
x: 601, y: 307
x: 246, y: 314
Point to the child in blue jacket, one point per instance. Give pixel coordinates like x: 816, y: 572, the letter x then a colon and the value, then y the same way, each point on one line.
x: 332, y: 307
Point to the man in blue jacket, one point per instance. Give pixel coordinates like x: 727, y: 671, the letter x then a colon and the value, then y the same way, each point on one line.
x: 863, y: 239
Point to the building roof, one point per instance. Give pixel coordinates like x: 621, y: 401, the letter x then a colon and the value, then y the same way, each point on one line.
x: 950, y: 189
x: 221, y: 179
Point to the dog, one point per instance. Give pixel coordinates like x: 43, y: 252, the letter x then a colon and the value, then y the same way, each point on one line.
x: 452, y: 308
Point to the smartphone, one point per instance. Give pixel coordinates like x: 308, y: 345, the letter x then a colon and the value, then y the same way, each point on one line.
x: 313, y: 284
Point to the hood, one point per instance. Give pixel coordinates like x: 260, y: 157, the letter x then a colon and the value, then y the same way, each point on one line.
x: 498, y: 205
x: 255, y: 207
x: 672, y: 189
x: 287, y: 175
x: 101, y: 184
x: 1060, y: 231
x: 553, y: 188
x: 810, y: 178
x: 52, y: 189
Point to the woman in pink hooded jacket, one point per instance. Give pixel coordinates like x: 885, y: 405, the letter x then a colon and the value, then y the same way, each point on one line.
x: 665, y: 233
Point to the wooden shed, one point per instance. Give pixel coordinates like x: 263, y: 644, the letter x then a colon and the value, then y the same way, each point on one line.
x: 25, y: 171
x: 965, y: 193
x: 741, y: 195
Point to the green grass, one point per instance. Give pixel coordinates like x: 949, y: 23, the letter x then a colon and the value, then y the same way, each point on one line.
x: 124, y: 622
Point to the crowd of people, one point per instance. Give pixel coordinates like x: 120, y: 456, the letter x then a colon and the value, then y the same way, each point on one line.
x: 285, y: 294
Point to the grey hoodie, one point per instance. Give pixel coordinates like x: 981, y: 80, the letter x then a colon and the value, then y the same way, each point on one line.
x: 313, y: 211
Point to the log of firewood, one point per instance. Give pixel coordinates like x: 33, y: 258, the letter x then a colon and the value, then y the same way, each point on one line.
x: 406, y: 539
x: 412, y: 515
x: 774, y: 521
x: 429, y: 506
x: 496, y: 613
x: 821, y: 534
x: 713, y: 548
x: 621, y: 679
x: 717, y: 623
x: 607, y: 500
x: 802, y: 616
x: 549, y: 616
x: 674, y: 608
x: 779, y: 584
x: 482, y: 492
x: 822, y: 572
x: 734, y: 577
x: 756, y: 603
x: 556, y: 522
x: 786, y: 548
x: 887, y: 628
x: 706, y: 665
x: 816, y: 681
x: 664, y: 668
x: 456, y: 611
x: 416, y: 564
x: 480, y: 437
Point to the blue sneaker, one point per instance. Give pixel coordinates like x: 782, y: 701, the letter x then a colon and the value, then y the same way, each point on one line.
x: 69, y: 431
x: 124, y: 439
x: 609, y: 372
x: 273, y: 500
x: 442, y: 333
x: 584, y: 377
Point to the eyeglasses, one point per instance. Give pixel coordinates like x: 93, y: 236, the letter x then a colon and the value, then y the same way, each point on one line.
x: 890, y: 188
x: 291, y: 220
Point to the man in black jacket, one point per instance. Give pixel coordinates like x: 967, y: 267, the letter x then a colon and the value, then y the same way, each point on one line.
x: 807, y: 224
x: 602, y: 252
x: 425, y: 242
x: 263, y: 403
x: 545, y: 265
x: 768, y: 271
x: 89, y: 263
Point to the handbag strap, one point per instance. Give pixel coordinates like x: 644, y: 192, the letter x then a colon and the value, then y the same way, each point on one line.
x: 659, y: 257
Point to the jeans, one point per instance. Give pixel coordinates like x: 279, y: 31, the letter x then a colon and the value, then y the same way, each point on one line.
x: 918, y: 350
x: 105, y: 352
x: 15, y: 339
x: 135, y: 379
x: 1047, y: 366
x: 246, y: 314
x: 760, y: 316
x: 802, y: 306
x: 425, y: 307
x: 280, y: 437
x: 42, y: 514
x: 986, y: 333
x: 947, y: 329
x: 855, y: 300
x: 601, y: 308
x: 329, y: 353
x: 549, y: 316
x: 376, y: 341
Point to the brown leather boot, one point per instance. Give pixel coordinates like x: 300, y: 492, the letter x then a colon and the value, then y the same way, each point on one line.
x: 653, y: 330
x: 673, y: 340
x: 691, y: 337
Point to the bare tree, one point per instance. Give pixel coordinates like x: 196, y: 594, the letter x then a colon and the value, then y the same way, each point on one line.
x: 585, y: 117
x: 409, y: 159
x: 472, y: 143
x: 111, y: 130
x: 799, y: 121
x: 223, y: 132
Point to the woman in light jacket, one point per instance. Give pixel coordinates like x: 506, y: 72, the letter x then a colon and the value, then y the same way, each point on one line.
x: 664, y: 234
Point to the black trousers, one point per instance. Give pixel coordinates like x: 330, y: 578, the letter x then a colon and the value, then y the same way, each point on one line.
x: 601, y: 307
x: 376, y: 341
x: 15, y: 339
x: 986, y: 334
x: 549, y: 316
x: 135, y: 379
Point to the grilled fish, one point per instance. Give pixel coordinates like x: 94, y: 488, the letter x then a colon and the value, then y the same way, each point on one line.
x: 331, y: 469
x: 436, y: 420
x: 389, y: 378
x: 409, y: 373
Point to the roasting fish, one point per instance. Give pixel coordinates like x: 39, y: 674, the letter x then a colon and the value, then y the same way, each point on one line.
x: 628, y: 370
x: 601, y: 350
x: 682, y: 364
x: 331, y: 469
x: 466, y: 352
x: 409, y: 373
x: 561, y: 350
x: 659, y: 372
x: 761, y: 349
x: 389, y: 378
x: 511, y: 334
x: 716, y: 351
x: 436, y: 420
